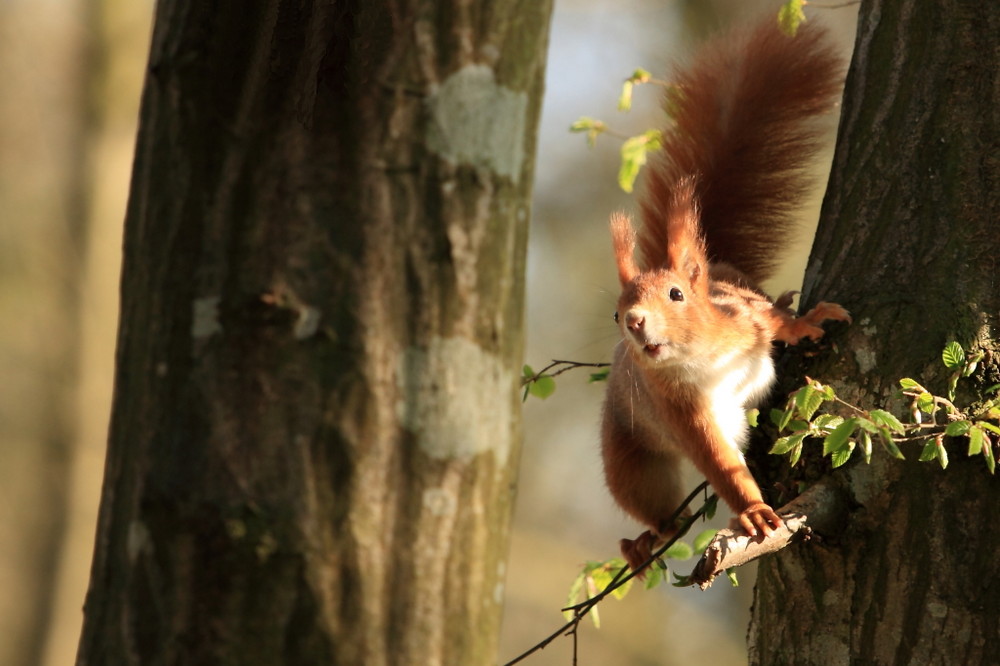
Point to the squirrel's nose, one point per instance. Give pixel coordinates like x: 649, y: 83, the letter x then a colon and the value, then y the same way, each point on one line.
x: 635, y: 320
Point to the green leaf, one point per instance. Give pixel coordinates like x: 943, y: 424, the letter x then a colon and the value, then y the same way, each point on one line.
x: 866, y: 425
x: 976, y: 440
x: 625, y: 99
x: 989, y: 426
x: 925, y: 403
x: 791, y: 16
x: 827, y: 422
x: 972, y: 363
x: 711, y: 504
x: 703, y: 539
x: 679, y: 550
x: 928, y: 453
x: 634, y: 152
x: 592, y: 127
x: 654, y: 576
x: 957, y: 428
x: 808, y: 400
x: 783, y: 418
x: 884, y: 419
x: 752, y: 416
x: 731, y: 574
x: 599, y: 376
x: 953, y: 356
x: 992, y: 389
x: 908, y: 384
x: 785, y: 444
x: 542, y: 387
x: 988, y: 453
x: 841, y: 456
x: 575, y: 590
x: 886, y: 438
x: 839, y: 439
x: 794, y: 455
x: 866, y: 446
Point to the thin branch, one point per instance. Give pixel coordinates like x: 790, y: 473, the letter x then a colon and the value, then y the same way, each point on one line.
x: 570, y: 365
x: 582, y: 609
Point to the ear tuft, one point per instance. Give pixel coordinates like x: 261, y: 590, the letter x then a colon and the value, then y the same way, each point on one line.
x: 686, y: 252
x: 623, y: 242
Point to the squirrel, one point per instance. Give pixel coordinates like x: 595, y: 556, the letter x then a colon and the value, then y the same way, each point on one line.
x: 717, y: 202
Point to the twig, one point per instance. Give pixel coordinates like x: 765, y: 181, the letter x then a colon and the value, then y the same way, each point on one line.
x: 581, y: 610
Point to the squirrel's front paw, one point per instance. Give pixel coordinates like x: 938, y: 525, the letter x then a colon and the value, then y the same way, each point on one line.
x: 637, y: 552
x: 759, y: 518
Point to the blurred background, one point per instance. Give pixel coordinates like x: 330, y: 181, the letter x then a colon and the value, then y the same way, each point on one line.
x: 70, y: 81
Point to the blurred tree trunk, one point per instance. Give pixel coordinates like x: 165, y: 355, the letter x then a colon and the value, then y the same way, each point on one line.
x: 908, y: 241
x: 42, y: 230
x: 116, y: 34
x: 315, y: 422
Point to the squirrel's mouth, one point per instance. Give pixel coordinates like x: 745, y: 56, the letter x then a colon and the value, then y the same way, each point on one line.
x: 652, y: 350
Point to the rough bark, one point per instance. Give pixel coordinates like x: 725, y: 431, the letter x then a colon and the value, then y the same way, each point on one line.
x: 315, y: 422
x: 908, y: 242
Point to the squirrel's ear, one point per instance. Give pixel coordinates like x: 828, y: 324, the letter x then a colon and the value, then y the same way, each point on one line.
x: 623, y: 241
x: 686, y: 249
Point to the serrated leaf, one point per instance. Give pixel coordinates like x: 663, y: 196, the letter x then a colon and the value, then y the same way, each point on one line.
x: 827, y: 422
x: 957, y: 428
x: 808, y: 400
x: 953, y: 355
x: 839, y: 439
x: 841, y: 456
x: 784, y: 418
x: 791, y: 16
x: 866, y: 425
x: 884, y: 419
x: 796, y: 425
x: 703, y: 539
x: 925, y: 403
x: 908, y: 384
x: 785, y: 444
x: 776, y: 416
x: 679, y: 550
x: 992, y: 389
x: 794, y: 455
x: 542, y: 387
x: 752, y: 416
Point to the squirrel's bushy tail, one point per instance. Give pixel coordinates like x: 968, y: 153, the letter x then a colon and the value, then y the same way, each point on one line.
x: 744, y: 127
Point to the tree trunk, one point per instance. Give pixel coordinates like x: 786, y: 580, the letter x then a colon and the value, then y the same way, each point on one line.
x: 315, y: 423
x: 908, y: 242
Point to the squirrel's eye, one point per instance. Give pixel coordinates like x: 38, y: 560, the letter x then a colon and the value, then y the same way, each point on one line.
x: 616, y: 316
x: 676, y: 294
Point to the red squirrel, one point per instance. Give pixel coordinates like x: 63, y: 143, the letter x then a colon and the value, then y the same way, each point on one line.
x: 717, y: 204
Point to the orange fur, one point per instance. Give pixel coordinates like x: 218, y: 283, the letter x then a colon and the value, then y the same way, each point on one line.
x: 697, y: 330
